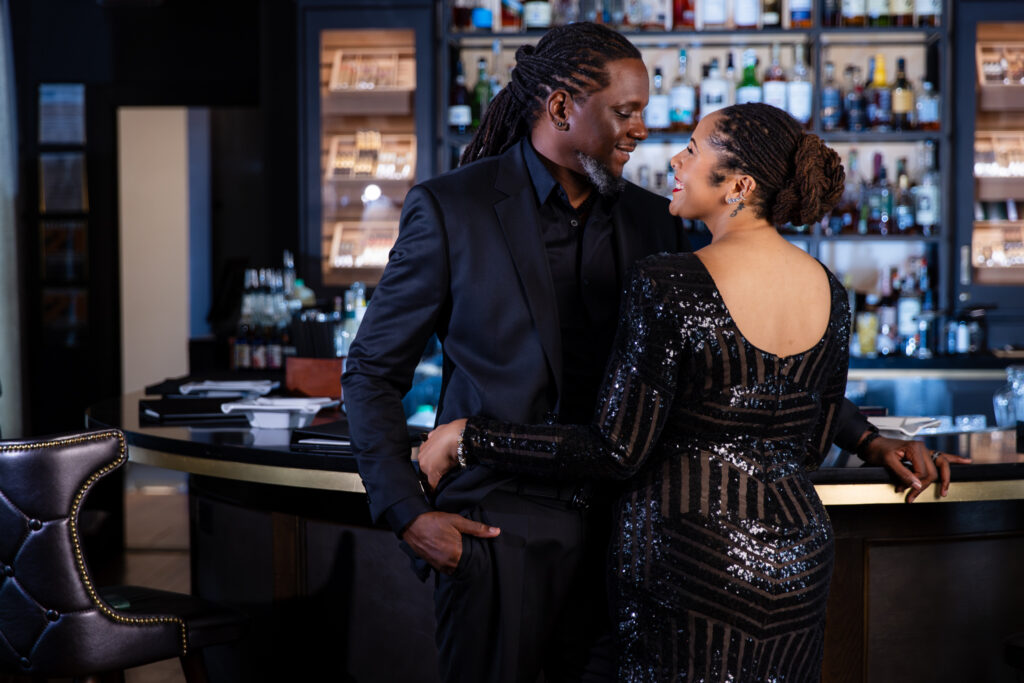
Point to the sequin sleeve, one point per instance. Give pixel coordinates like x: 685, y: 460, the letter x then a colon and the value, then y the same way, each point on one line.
x: 833, y: 392
x: 631, y: 410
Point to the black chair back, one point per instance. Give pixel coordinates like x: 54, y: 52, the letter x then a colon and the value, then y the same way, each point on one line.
x: 53, y: 620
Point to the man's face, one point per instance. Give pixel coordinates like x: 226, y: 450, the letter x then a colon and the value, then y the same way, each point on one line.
x: 605, y: 127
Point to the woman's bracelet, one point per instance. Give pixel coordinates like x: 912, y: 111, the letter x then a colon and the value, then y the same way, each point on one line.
x: 460, y: 451
x: 864, y: 443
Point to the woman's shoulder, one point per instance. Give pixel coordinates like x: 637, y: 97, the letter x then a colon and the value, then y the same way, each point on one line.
x: 672, y: 273
x: 671, y: 266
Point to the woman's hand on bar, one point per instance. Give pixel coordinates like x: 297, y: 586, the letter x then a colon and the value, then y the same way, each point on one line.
x: 915, y: 465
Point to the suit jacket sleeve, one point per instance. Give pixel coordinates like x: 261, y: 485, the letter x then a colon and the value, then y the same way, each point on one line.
x: 402, y: 315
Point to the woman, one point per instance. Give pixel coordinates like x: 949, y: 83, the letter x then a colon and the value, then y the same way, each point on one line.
x: 721, y: 393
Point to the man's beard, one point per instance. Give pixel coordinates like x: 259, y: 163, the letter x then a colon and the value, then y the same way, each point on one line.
x: 606, y: 182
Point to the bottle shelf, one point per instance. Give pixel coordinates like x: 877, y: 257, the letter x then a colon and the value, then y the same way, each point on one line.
x: 881, y: 136
x: 644, y: 39
x: 821, y: 238
x: 925, y: 51
x: 890, y: 35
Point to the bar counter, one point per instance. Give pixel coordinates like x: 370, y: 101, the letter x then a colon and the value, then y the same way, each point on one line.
x: 920, y: 592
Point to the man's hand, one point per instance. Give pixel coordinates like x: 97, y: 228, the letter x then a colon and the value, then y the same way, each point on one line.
x: 437, y: 538
x: 896, y: 455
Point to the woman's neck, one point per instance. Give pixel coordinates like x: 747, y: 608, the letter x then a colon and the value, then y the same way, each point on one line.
x: 726, y: 229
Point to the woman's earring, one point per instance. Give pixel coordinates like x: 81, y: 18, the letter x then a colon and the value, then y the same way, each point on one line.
x: 561, y: 125
x: 732, y: 200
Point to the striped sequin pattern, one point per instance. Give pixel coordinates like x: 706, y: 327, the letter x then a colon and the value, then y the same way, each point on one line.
x: 723, y: 552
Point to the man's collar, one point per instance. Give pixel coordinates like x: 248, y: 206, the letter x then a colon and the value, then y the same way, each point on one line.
x: 540, y: 176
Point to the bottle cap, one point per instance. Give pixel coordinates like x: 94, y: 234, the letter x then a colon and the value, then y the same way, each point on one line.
x: 481, y: 17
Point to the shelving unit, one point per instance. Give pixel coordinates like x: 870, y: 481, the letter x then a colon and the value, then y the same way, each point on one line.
x: 926, y: 49
x: 990, y: 150
x: 366, y: 107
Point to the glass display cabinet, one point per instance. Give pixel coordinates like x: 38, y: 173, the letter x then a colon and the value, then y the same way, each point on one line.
x: 367, y: 108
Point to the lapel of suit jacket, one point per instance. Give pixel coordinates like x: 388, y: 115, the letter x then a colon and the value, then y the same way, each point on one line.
x: 517, y: 215
x: 628, y: 238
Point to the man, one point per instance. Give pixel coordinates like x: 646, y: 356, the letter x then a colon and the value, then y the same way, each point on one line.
x: 516, y: 262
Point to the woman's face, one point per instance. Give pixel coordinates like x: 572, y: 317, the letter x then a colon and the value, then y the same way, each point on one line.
x: 693, y: 196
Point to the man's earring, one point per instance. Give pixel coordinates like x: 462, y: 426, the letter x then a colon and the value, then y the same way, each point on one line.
x: 561, y: 125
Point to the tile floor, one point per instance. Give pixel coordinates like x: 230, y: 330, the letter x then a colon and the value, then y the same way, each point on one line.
x: 156, y: 553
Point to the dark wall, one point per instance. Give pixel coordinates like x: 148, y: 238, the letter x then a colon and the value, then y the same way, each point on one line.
x: 237, y: 57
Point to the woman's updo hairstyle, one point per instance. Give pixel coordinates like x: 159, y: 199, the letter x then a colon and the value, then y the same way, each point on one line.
x: 799, y: 178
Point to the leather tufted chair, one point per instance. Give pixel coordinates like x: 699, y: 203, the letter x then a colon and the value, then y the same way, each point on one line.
x: 54, y: 622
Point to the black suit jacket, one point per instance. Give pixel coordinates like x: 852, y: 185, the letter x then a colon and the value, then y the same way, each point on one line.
x: 470, y: 265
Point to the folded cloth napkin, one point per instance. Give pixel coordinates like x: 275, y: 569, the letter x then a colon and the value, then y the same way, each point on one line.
x: 230, y: 388
x: 908, y: 426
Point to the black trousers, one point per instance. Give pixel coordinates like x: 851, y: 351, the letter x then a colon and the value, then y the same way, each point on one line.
x: 533, y: 600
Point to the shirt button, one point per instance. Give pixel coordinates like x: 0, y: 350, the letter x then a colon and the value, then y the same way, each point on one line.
x: 574, y: 223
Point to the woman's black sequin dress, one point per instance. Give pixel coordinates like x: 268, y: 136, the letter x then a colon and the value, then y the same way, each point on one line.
x: 722, y: 551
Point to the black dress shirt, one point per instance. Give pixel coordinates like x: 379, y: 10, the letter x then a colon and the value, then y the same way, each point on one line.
x: 580, y: 248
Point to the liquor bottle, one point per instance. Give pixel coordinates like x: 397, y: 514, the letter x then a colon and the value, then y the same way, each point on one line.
x: 482, y: 18
x: 902, y: 98
x: 878, y: 12
x: 903, y: 203
x: 799, y: 13
x: 926, y: 194
x: 746, y: 13
x: 887, y: 332
x: 880, y: 97
x: 799, y: 89
x: 511, y: 15
x: 849, y: 204
x: 684, y: 14
x: 462, y: 12
x: 338, y: 325
x: 749, y: 89
x: 656, y: 115
x: 460, y: 113
x: 714, y: 14
x: 774, y: 85
x: 880, y: 200
x: 242, y: 350
x: 657, y: 16
x: 902, y: 12
x: 928, y: 107
x: 831, y: 100
x: 854, y: 13
x: 682, y: 98
x: 565, y: 12
x: 275, y: 350
x: 714, y: 90
x: 536, y: 14
x: 494, y: 76
x: 928, y: 12
x: 855, y: 103
x: 771, y: 14
x: 591, y: 10
x: 908, y: 310
x: 481, y: 92
x: 831, y: 13
x: 349, y: 324
x: 730, y: 77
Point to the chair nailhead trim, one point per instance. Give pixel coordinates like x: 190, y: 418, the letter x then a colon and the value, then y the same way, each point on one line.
x: 77, y: 543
